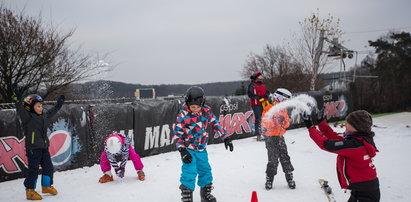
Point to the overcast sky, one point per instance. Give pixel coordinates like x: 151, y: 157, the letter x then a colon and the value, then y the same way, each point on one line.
x: 192, y: 41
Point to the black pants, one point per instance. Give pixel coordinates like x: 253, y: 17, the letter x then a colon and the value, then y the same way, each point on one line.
x: 37, y: 157
x: 362, y: 196
x: 277, y: 150
x: 258, y: 112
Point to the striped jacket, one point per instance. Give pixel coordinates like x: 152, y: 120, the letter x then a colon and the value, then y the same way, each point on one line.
x: 190, y: 129
x: 124, y: 152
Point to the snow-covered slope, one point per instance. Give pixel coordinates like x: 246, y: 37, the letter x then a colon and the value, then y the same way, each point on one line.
x: 238, y: 173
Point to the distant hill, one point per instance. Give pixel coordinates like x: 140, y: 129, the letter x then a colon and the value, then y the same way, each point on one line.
x: 114, y: 89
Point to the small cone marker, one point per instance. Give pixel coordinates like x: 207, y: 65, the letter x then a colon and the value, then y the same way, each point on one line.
x: 254, y: 197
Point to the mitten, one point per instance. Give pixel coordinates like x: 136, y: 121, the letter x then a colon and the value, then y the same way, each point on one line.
x: 60, y: 101
x: 307, y: 119
x: 228, y: 144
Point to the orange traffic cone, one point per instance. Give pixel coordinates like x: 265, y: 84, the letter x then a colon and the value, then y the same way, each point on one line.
x: 254, y: 197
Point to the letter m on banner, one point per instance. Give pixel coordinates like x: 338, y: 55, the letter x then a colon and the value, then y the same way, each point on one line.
x: 11, y: 150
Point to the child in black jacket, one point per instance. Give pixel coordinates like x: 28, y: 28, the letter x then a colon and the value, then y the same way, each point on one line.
x: 35, y: 123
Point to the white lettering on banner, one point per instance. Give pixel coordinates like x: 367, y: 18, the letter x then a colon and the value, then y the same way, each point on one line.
x: 228, y: 107
x: 327, y: 97
x: 165, y: 137
x: 155, y: 139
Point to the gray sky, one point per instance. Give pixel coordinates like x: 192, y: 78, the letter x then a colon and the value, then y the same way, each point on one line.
x: 191, y: 41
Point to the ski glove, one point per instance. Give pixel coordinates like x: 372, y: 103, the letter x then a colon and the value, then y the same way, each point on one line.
x: 60, y: 101
x: 319, y: 114
x: 307, y: 119
x: 120, y: 172
x: 228, y: 143
x: 185, y: 155
x: 16, y: 97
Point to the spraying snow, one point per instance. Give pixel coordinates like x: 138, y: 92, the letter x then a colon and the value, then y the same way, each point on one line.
x: 295, y: 105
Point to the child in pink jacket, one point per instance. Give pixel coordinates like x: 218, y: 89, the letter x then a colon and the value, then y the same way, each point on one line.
x: 118, y: 149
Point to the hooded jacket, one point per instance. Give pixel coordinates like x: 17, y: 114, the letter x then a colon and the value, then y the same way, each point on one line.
x: 256, y: 91
x: 35, y: 126
x: 276, y: 124
x: 355, y: 169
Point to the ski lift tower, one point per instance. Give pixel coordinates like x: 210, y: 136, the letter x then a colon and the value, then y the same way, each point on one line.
x: 338, y: 51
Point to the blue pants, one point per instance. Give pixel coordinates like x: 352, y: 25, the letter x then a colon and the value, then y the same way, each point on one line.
x: 258, y: 112
x: 37, y: 157
x: 199, y: 165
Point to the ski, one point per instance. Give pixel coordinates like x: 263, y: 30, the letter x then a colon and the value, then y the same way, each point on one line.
x: 327, y: 190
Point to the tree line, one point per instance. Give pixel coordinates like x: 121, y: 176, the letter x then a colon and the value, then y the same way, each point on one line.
x: 38, y: 57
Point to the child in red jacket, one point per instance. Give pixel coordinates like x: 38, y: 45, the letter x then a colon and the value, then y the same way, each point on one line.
x: 355, y: 150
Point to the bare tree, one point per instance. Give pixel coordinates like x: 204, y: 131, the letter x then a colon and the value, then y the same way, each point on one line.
x: 278, y: 68
x: 308, y: 45
x: 37, y: 57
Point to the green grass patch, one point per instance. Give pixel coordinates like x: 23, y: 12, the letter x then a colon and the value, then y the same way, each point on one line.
x: 372, y: 115
x: 382, y: 114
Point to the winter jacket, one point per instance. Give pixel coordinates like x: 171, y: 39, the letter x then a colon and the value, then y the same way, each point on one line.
x: 354, y: 161
x: 190, y: 128
x: 276, y: 124
x: 256, y: 91
x: 124, y: 151
x: 35, y: 126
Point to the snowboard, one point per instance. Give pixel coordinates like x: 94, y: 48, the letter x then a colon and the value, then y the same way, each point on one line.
x: 327, y: 190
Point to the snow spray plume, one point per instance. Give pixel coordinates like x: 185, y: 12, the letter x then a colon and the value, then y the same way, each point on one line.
x: 295, y: 105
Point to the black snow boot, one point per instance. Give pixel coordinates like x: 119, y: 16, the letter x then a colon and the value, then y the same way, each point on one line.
x: 269, y: 183
x: 186, y: 194
x: 290, y: 181
x: 205, y: 194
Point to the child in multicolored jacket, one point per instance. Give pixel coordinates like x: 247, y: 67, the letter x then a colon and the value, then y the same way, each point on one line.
x: 191, y: 140
x: 118, y: 148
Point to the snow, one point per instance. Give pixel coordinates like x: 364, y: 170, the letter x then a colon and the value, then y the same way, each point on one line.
x: 238, y: 173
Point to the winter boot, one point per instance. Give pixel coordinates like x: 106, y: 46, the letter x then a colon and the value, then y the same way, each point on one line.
x: 269, y: 183
x: 51, y: 190
x: 141, y: 175
x: 290, y: 181
x: 105, y: 178
x: 31, y: 194
x: 206, y: 195
x: 186, y: 194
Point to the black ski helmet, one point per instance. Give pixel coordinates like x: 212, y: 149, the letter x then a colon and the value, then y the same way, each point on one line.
x: 195, y: 96
x: 30, y: 100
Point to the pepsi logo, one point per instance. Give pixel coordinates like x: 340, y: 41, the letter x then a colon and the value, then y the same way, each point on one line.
x: 60, y: 147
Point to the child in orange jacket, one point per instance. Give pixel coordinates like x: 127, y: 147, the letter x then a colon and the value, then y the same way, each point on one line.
x: 274, y: 126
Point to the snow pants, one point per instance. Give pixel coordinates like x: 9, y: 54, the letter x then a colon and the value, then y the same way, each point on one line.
x: 198, y: 166
x: 258, y: 112
x: 366, y: 196
x: 36, y: 158
x: 133, y: 156
x: 277, y: 150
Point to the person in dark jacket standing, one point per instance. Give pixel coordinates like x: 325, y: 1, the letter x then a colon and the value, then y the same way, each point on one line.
x: 258, y: 95
x: 355, y: 150
x: 35, y: 123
